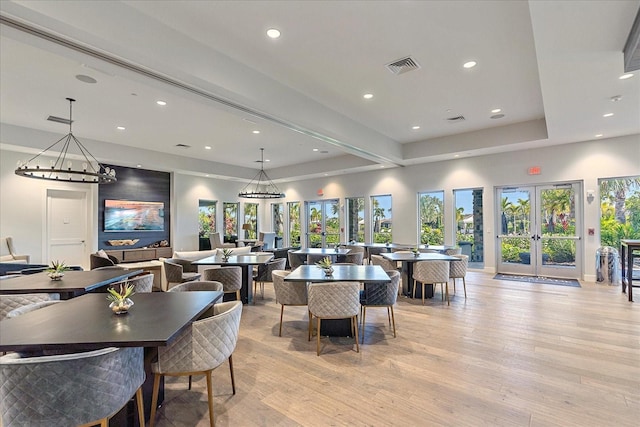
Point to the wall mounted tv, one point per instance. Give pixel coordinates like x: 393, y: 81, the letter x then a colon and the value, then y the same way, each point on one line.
x: 129, y: 215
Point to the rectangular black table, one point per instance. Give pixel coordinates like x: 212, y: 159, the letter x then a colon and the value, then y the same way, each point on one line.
x: 408, y: 259
x: 73, y: 283
x: 246, y: 262
x: 627, y: 247
x: 341, y: 273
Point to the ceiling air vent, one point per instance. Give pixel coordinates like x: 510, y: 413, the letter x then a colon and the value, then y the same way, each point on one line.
x: 183, y: 146
x: 456, y: 119
x: 59, y: 120
x: 403, y: 65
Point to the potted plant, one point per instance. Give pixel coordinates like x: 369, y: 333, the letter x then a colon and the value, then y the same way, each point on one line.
x: 57, y: 269
x: 325, y: 265
x: 226, y: 253
x: 415, y: 251
x: 120, y: 301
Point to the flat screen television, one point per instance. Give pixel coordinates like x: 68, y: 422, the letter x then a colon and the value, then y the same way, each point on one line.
x: 130, y: 215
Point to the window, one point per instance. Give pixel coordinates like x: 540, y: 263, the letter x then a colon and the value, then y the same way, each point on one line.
x: 381, y: 219
x: 206, y: 217
x: 277, y: 217
x: 431, y: 216
x: 355, y: 219
x: 469, y: 224
x: 294, y: 224
x: 250, y: 224
x: 230, y: 217
x: 619, y: 210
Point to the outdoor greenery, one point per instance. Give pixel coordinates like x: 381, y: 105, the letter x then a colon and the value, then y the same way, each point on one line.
x: 619, y: 210
x: 294, y: 224
x: 432, y: 218
x: 277, y: 210
x: 251, y: 218
x: 382, y: 231
x: 230, y: 217
x: 206, y: 217
x: 355, y: 219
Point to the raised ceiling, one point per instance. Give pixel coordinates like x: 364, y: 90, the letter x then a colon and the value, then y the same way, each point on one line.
x: 551, y: 67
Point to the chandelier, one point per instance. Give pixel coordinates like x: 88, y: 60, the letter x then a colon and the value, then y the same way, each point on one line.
x: 87, y: 170
x: 261, y: 186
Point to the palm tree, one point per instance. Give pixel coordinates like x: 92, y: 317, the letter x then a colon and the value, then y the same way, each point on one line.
x: 378, y: 214
x: 524, y: 208
x: 506, y: 207
x: 618, y: 188
x: 554, y: 203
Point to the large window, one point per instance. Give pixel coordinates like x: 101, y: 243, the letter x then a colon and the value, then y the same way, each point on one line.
x: 381, y: 219
x: 431, y: 214
x: 294, y: 224
x: 355, y: 219
x: 250, y: 224
x: 230, y: 217
x: 469, y: 224
x: 277, y: 217
x: 620, y: 210
x: 206, y: 217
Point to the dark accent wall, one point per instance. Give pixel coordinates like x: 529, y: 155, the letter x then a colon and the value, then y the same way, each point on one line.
x: 135, y: 184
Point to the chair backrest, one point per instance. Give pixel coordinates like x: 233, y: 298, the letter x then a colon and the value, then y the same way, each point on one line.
x: 265, y: 270
x: 215, y: 239
x: 97, y: 261
x: 268, y: 239
x: 383, y: 262
x: 453, y: 251
x: 70, y: 389
x: 458, y: 269
x: 312, y: 259
x: 294, y: 259
x: 172, y: 271
x: 288, y: 293
x: 187, y: 266
x: 334, y: 300
x: 198, y: 285
x: 205, y: 344
x: 431, y: 271
x: 382, y: 293
x: 142, y: 283
x: 230, y: 277
x: 355, y: 257
x: 9, y: 303
x: 31, y: 307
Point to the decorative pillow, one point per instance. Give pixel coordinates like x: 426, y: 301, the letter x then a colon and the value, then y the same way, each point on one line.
x: 102, y: 253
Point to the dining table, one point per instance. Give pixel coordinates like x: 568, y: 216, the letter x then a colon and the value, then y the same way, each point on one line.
x: 627, y: 246
x: 341, y: 273
x: 379, y: 248
x: 246, y: 263
x: 87, y: 323
x: 408, y: 259
x: 73, y: 283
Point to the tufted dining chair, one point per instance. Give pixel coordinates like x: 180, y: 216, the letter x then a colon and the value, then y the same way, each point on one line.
x: 178, y: 271
x: 381, y: 295
x: 31, y: 307
x: 142, y: 283
x: 431, y: 272
x: 264, y: 273
x: 288, y: 293
x: 9, y: 303
x: 70, y: 389
x: 355, y: 257
x: 384, y: 263
x: 230, y: 277
x: 198, y: 285
x: 295, y: 260
x: 334, y: 300
x: 458, y: 270
x: 453, y: 251
x: 216, y: 241
x: 198, y: 350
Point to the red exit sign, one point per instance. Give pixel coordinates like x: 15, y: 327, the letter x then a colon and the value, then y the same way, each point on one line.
x: 534, y: 170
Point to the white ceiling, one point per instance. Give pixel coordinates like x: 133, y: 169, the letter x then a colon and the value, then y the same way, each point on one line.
x: 551, y: 66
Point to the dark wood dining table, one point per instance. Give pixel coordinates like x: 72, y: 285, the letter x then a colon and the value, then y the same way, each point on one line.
x: 244, y: 261
x: 627, y: 246
x: 408, y: 259
x: 72, y: 284
x: 87, y: 323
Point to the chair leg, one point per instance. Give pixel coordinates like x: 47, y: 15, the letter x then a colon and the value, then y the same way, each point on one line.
x: 318, y: 339
x: 364, y: 315
x: 210, y: 398
x: 190, y: 380
x: 140, y: 405
x: 233, y: 380
x: 154, y: 399
x: 389, y: 316
x: 281, y: 313
x: 238, y: 295
x: 441, y: 291
x: 393, y: 318
x: 464, y: 284
x: 354, y: 321
x: 310, y: 317
x: 446, y: 287
x: 423, y: 288
x: 454, y: 285
x: 413, y: 292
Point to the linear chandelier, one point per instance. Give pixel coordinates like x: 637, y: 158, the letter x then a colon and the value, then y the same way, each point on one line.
x: 261, y: 186
x: 61, y: 169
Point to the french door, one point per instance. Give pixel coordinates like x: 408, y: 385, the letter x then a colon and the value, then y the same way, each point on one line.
x: 323, y: 223
x: 538, y: 230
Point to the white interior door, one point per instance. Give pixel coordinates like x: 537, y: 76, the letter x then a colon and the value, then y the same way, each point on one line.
x: 66, y: 230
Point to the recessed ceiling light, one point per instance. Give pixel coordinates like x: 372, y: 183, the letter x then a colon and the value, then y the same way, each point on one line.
x: 456, y: 155
x: 415, y: 127
x: 367, y: 96
x: 626, y: 76
x: 120, y: 127
x: 470, y: 64
x: 382, y: 166
x: 267, y: 160
x: 161, y: 102
x: 207, y: 175
x: 256, y: 131
x: 139, y: 165
x: 207, y: 147
x: 607, y: 115
x: 86, y: 79
x: 496, y: 110
x: 273, y: 33
x: 598, y: 135
x: 315, y: 149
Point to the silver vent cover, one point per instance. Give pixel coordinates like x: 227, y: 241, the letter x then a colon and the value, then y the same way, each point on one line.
x: 403, y: 65
x: 456, y: 119
x: 59, y: 120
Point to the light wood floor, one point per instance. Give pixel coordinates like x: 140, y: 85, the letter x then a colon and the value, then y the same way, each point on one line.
x: 511, y: 354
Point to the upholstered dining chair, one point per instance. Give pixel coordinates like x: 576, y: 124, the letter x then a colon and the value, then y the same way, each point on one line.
x: 97, y: 261
x: 9, y: 303
x: 295, y: 260
x: 288, y: 293
x: 177, y: 271
x: 355, y: 257
x: 381, y: 295
x: 384, y: 263
x: 198, y: 350
x: 216, y: 241
x: 70, y: 389
x: 453, y: 251
x: 264, y: 273
x: 458, y: 270
x: 230, y: 277
x: 334, y: 300
x: 431, y: 272
x: 313, y: 258
x: 198, y: 285
x: 141, y: 283
x: 31, y: 307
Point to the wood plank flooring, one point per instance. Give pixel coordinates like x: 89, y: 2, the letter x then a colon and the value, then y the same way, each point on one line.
x: 511, y: 354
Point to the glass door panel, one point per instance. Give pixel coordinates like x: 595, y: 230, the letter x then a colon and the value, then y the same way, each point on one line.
x: 323, y: 223
x: 515, y: 230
